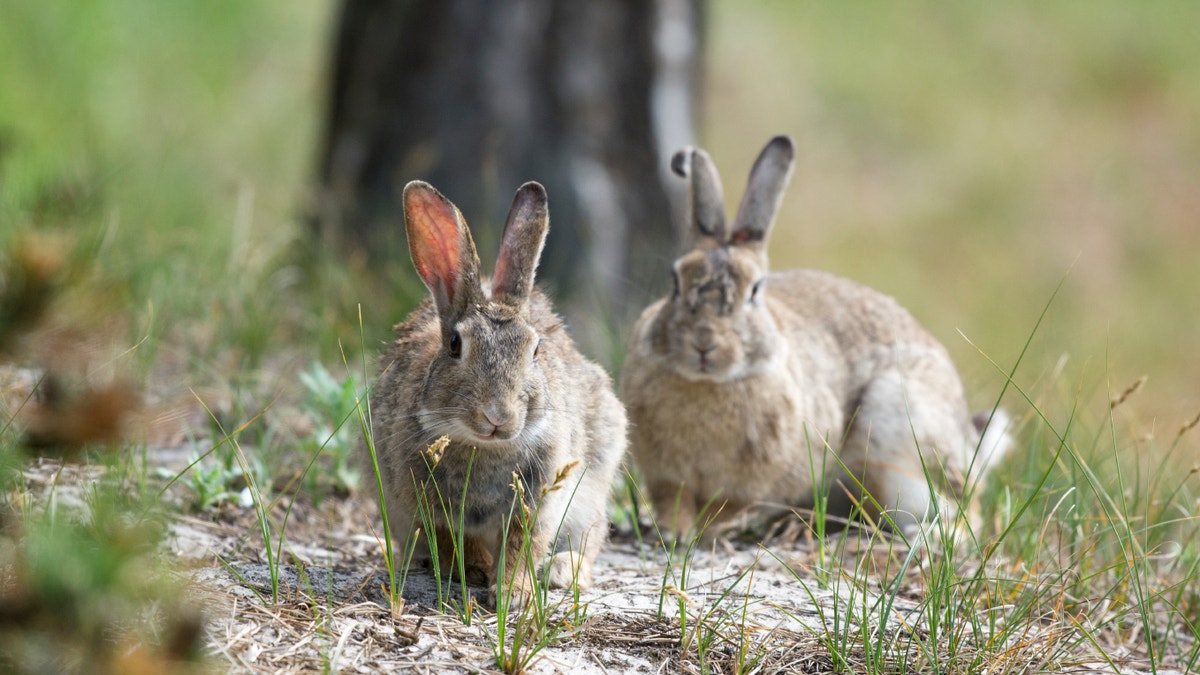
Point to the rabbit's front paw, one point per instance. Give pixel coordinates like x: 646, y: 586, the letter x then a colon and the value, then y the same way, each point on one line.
x: 514, y: 595
x: 567, y: 568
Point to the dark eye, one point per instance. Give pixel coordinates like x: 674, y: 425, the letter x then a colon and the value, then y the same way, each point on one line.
x: 455, y: 345
x: 675, y: 280
x: 537, y: 348
x: 755, y: 289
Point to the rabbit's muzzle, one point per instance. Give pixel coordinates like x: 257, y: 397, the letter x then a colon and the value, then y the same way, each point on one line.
x: 496, y: 421
x: 503, y: 420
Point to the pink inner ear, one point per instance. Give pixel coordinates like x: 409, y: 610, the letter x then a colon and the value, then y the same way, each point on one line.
x: 746, y: 235
x: 521, y: 243
x: 435, y: 241
x: 500, y: 274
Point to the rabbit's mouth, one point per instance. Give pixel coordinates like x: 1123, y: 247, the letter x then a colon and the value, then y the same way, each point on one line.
x: 707, y: 363
x: 494, y: 434
x: 489, y: 433
x: 497, y: 434
x: 525, y: 433
x: 496, y: 423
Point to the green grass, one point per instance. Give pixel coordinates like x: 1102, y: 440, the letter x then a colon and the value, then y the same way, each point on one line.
x: 962, y: 158
x: 1077, y: 553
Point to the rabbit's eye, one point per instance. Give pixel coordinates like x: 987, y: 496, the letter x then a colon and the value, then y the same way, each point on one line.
x: 675, y: 280
x: 455, y: 345
x: 537, y: 348
x: 754, y: 290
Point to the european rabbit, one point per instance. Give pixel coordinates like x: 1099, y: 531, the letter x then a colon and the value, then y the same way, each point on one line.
x: 490, y: 366
x: 746, y: 387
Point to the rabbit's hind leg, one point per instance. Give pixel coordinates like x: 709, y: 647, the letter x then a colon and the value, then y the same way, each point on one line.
x: 904, y: 446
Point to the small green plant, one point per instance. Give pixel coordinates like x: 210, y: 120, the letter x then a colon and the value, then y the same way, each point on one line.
x: 331, y: 403
x: 218, y: 474
x: 212, y: 482
x: 273, y: 535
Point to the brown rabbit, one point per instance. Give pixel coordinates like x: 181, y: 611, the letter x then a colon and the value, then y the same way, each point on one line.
x: 748, y: 387
x: 489, y: 365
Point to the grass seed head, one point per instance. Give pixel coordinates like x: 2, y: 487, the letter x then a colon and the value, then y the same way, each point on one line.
x: 518, y: 487
x: 560, y: 477
x: 679, y: 594
x: 1188, y: 427
x: 1129, y: 391
x: 436, y: 450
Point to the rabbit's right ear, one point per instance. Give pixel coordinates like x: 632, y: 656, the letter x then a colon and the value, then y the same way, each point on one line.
x: 708, y: 199
x: 441, y: 247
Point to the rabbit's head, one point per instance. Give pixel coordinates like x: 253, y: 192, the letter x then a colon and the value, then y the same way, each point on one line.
x: 485, y: 385
x: 716, y: 325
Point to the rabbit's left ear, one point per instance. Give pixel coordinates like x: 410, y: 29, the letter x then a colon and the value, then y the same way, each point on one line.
x: 764, y: 192
x: 521, y: 245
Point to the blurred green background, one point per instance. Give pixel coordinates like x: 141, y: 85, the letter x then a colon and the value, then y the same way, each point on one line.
x: 963, y: 157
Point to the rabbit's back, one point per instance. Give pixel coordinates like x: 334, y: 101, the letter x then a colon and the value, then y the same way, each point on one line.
x: 856, y: 317
x: 871, y: 333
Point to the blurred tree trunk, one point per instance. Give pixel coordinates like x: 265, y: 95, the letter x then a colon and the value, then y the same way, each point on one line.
x: 478, y: 96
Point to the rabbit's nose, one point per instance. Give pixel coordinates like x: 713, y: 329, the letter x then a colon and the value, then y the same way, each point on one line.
x: 498, y: 415
x: 704, y: 341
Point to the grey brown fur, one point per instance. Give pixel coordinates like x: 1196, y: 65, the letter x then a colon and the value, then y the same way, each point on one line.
x: 746, y: 387
x: 489, y: 365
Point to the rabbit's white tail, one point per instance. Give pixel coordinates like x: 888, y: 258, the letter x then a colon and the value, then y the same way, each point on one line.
x: 994, y: 441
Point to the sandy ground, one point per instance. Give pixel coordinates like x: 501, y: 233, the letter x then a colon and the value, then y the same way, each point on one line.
x: 334, y: 604
x: 741, y: 607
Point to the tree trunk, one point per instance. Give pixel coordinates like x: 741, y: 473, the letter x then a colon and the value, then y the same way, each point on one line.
x: 479, y: 96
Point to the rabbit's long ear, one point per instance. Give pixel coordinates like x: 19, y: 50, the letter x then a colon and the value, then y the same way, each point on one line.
x: 441, y: 247
x: 521, y: 246
x: 764, y: 192
x: 708, y: 199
